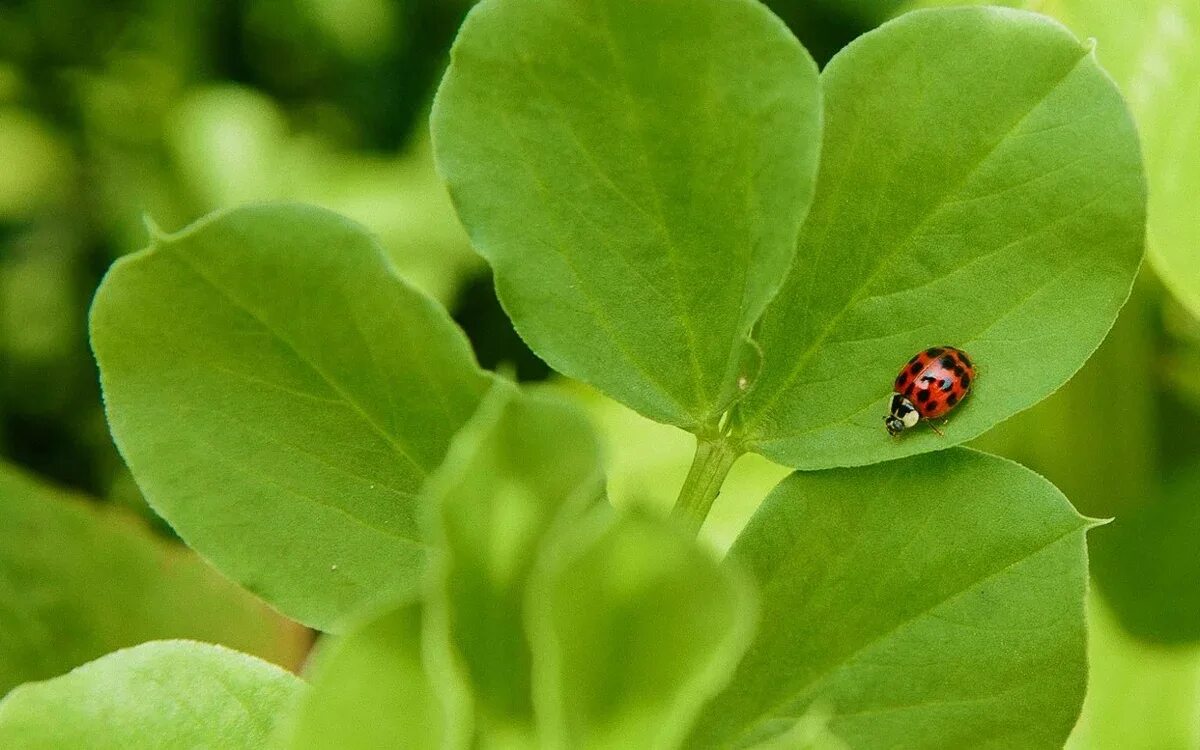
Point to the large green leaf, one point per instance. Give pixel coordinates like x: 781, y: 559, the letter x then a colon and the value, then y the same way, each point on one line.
x: 370, y: 691
x: 165, y: 695
x: 280, y: 396
x: 636, y: 172
x: 523, y: 466
x: 77, y: 582
x: 980, y: 186
x: 633, y: 626
x: 931, y: 603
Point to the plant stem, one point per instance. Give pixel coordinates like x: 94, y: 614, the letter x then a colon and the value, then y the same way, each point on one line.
x: 714, y: 458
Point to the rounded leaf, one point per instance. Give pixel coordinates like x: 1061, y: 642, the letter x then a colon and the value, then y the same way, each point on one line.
x: 930, y: 603
x: 636, y: 172
x: 280, y: 396
x: 980, y: 187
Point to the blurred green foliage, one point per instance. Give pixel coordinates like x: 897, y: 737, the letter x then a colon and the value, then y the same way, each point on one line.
x: 113, y: 111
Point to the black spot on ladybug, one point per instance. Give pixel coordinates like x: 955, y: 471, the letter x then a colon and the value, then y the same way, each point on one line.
x: 916, y: 367
x: 927, y: 378
x: 909, y: 390
x: 934, y: 351
x: 962, y: 356
x: 900, y: 380
x: 948, y: 362
x: 923, y: 396
x: 952, y: 399
x: 966, y: 382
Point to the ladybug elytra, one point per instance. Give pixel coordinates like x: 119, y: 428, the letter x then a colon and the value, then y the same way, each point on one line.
x: 930, y: 385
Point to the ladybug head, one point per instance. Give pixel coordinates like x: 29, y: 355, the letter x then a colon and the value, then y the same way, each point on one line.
x: 901, y: 416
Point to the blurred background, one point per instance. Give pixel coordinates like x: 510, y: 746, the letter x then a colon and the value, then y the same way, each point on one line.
x: 118, y: 111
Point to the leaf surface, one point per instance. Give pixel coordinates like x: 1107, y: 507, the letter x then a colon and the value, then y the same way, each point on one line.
x: 931, y: 603
x: 280, y: 395
x: 636, y: 174
x: 980, y: 187
x: 1152, y: 49
x: 164, y: 695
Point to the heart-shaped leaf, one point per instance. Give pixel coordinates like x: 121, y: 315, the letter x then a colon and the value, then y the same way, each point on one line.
x: 78, y: 581
x: 636, y: 172
x: 280, y: 396
x: 165, y: 695
x: 931, y: 603
x: 981, y: 187
x: 524, y: 465
x: 633, y: 626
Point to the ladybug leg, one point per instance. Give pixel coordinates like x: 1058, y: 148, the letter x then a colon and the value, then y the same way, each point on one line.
x: 934, y: 427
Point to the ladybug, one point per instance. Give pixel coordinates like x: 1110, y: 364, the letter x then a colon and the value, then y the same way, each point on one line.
x: 930, y: 385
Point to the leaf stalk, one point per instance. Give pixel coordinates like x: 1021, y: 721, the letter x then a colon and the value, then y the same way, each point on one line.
x: 714, y: 458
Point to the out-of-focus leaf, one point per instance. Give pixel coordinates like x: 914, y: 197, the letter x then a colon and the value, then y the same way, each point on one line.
x: 280, y: 396
x: 522, y: 467
x: 231, y: 145
x: 37, y: 171
x: 980, y: 186
x: 165, y: 695
x: 936, y: 602
x: 77, y: 582
x: 636, y: 172
x: 633, y: 626
x: 369, y: 691
x: 1147, y: 562
x: 1140, y: 696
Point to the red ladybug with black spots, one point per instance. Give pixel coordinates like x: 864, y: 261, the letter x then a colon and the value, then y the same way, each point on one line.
x: 930, y: 385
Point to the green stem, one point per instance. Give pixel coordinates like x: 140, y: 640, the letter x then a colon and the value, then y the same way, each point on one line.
x: 714, y: 458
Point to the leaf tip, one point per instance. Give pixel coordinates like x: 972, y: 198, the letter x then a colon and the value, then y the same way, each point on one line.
x: 156, y: 232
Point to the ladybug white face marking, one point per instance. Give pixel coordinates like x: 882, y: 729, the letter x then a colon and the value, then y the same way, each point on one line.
x: 903, y: 415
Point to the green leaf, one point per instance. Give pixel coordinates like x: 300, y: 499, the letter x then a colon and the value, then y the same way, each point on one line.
x: 636, y: 172
x: 980, y: 186
x: 930, y: 603
x: 78, y: 581
x: 633, y: 627
x: 369, y: 690
x: 280, y: 396
x: 523, y: 466
x: 165, y: 695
